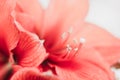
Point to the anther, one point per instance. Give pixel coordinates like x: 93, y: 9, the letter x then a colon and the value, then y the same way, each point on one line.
x: 75, y: 41
x: 70, y: 30
x: 63, y: 35
x: 75, y: 49
x: 82, y: 40
x: 69, y: 48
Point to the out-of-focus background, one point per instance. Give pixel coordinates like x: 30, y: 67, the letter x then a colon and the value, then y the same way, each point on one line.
x: 105, y: 13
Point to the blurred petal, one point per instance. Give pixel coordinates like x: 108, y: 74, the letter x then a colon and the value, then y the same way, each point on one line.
x: 30, y: 51
x: 31, y: 74
x: 61, y: 14
x: 32, y: 8
x: 8, y: 32
x: 84, y: 66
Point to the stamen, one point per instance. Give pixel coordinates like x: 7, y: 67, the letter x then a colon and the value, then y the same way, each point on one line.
x: 75, y: 49
x: 72, y: 52
x: 64, y: 35
x: 82, y: 40
x: 44, y: 3
x: 69, y: 48
x: 70, y: 30
x: 75, y: 41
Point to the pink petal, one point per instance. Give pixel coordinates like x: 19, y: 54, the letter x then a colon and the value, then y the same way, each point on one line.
x: 31, y: 74
x: 8, y: 32
x: 30, y: 51
x: 31, y: 8
x: 61, y: 14
x: 87, y: 64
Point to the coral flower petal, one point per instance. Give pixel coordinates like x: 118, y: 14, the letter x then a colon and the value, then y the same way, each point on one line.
x: 102, y: 41
x: 87, y: 64
x: 31, y: 74
x: 29, y: 51
x: 8, y: 32
x: 31, y: 8
x: 62, y: 13
x: 26, y: 21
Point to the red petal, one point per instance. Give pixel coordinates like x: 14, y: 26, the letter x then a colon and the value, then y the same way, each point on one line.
x: 8, y: 32
x: 86, y: 65
x: 31, y: 74
x: 61, y: 14
x: 33, y: 9
x: 26, y: 73
x: 30, y: 51
x: 16, y: 68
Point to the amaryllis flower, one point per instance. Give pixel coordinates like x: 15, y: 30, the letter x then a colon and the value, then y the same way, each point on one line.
x: 66, y: 16
x: 71, y: 50
x: 78, y: 50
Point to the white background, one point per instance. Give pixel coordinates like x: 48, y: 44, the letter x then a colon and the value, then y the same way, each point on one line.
x: 105, y: 13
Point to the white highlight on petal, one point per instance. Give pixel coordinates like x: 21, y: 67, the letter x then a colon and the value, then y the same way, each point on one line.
x: 44, y: 3
x: 82, y: 40
x: 19, y: 26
